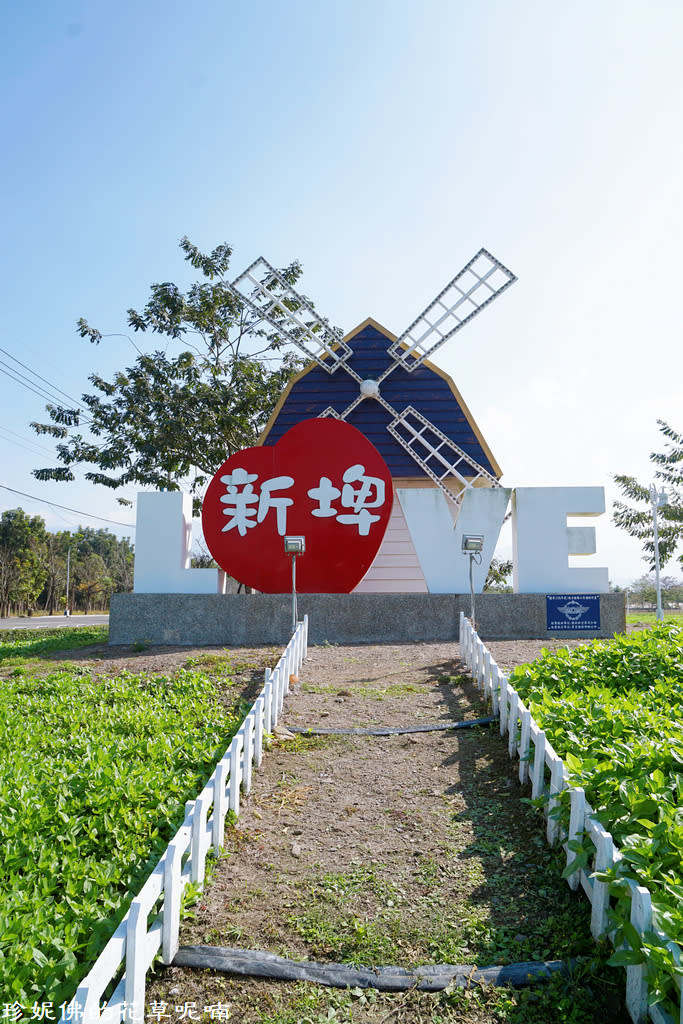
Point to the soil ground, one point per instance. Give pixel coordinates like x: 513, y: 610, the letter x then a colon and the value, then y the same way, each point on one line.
x: 403, y: 850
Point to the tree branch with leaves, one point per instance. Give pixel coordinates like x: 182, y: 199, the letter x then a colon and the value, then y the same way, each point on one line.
x: 635, y: 513
x: 169, y: 421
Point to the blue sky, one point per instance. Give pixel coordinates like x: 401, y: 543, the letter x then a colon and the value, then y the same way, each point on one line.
x: 381, y: 143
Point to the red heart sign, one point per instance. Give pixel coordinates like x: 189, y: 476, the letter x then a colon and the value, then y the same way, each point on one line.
x: 324, y: 481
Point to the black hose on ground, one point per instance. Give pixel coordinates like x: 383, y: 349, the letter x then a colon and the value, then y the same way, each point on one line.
x: 308, y: 730
x: 430, y: 978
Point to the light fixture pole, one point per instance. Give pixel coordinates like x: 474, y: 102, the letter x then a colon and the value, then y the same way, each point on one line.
x: 657, y: 498
x: 294, y: 546
x: 472, y: 545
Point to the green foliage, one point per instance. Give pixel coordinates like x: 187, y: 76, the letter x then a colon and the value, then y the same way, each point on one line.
x: 17, y: 644
x: 635, y: 514
x: 607, y: 711
x: 169, y: 421
x: 33, y: 566
x: 22, y: 572
x: 644, y: 592
x: 498, y: 577
x: 93, y: 780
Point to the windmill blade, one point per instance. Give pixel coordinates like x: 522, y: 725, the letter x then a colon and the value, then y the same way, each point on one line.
x: 267, y: 293
x: 436, y: 454
x: 479, y: 283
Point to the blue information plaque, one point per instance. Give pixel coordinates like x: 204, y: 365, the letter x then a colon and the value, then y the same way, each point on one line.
x: 573, y: 612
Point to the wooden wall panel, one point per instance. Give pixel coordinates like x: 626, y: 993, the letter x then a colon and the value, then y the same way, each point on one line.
x: 396, y: 569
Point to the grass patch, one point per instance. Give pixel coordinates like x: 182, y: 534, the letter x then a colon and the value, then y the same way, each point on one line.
x: 650, y: 618
x: 360, y: 917
x: 560, y: 1000
x: 94, y: 777
x: 364, y: 689
x: 226, y: 661
x: 19, y: 644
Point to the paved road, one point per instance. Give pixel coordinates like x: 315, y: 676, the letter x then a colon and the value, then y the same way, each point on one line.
x: 52, y: 621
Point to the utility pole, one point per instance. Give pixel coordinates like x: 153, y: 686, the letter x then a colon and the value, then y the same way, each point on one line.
x: 658, y: 498
x: 68, y: 572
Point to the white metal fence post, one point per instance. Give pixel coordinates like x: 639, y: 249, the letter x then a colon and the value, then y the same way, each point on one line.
x: 259, y: 709
x: 197, y: 847
x: 135, y: 960
x: 235, y: 772
x: 512, y: 724
x: 220, y: 804
x: 636, y: 974
x: 524, y: 746
x: 577, y: 817
x: 556, y: 787
x: 172, y: 902
x: 503, y: 704
x: 248, y: 750
x: 486, y: 675
x: 604, y: 856
x: 268, y: 703
x: 537, y: 777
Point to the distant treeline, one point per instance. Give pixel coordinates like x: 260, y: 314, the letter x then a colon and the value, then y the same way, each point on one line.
x: 35, y: 564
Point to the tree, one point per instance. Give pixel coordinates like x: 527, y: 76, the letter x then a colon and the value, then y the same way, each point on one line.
x: 636, y: 518
x: 22, y: 556
x: 644, y: 593
x: 92, y: 582
x: 55, y: 565
x: 498, y: 577
x: 33, y: 565
x: 170, y: 421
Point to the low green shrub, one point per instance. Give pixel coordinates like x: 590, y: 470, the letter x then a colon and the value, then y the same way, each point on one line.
x: 613, y: 711
x: 94, y: 776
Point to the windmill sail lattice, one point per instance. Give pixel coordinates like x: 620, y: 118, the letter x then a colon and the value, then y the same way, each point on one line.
x: 269, y: 295
x: 438, y: 456
x: 481, y: 281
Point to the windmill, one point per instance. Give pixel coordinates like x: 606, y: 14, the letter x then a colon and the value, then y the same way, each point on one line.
x: 263, y: 290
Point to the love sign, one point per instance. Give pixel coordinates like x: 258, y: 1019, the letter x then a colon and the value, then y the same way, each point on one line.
x: 324, y: 481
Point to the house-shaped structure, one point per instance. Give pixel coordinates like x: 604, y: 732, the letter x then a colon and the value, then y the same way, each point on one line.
x: 431, y: 393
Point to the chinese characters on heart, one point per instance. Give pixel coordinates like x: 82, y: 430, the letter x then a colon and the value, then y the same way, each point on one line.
x: 349, y: 504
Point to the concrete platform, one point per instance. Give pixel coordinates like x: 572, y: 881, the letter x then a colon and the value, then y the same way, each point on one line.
x: 253, y: 619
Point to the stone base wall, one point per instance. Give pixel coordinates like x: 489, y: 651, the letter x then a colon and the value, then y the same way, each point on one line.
x: 253, y: 619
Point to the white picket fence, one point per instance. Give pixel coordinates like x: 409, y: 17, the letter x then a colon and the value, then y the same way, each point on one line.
x: 152, y: 923
x: 536, y: 759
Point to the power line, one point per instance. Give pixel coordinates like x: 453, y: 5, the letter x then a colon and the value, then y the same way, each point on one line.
x: 24, y: 442
x: 44, y: 379
x: 34, y: 386
x: 130, y: 526
x: 29, y: 446
x: 10, y: 373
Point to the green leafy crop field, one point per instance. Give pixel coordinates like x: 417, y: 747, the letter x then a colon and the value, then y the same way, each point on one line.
x: 94, y: 775
x: 613, y: 710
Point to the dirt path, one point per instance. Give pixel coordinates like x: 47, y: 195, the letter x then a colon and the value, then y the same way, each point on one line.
x: 401, y: 850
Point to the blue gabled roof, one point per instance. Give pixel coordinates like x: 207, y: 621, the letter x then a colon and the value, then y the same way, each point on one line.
x: 427, y: 389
